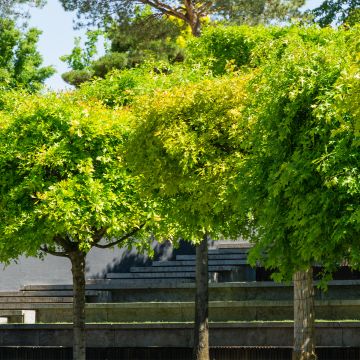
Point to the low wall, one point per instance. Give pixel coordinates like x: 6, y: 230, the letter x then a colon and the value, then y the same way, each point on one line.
x: 231, y: 291
x: 329, y: 334
x: 220, y: 311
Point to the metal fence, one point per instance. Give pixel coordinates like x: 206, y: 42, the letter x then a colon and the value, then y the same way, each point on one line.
x: 36, y: 353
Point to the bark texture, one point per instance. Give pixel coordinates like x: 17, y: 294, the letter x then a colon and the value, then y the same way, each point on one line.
x: 78, y: 272
x: 192, y: 17
x: 201, y: 326
x: 304, y: 316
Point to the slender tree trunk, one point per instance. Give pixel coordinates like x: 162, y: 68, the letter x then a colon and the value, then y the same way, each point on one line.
x: 304, y: 316
x: 201, y: 326
x: 78, y: 272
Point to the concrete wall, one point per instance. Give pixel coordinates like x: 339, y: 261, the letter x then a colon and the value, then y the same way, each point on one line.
x: 56, y: 270
x: 178, y: 335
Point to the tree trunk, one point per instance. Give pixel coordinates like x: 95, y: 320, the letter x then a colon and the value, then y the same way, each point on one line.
x: 201, y: 326
x: 192, y: 17
x: 196, y: 27
x: 304, y: 316
x: 78, y: 272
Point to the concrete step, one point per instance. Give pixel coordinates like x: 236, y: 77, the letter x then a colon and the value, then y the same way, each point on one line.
x: 11, y: 313
x: 152, y: 275
x: 184, y: 311
x: 34, y: 306
x: 152, y: 269
x: 214, y: 257
x: 114, y: 284
x: 34, y: 299
x: 14, y: 308
x: 192, y: 262
x: 220, y: 251
x: 47, y: 293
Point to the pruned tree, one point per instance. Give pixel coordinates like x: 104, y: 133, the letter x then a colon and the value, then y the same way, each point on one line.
x: 65, y: 188
x: 293, y: 175
x: 186, y: 145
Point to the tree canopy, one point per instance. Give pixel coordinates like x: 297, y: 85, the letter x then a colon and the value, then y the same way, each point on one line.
x: 337, y: 11
x: 20, y: 61
x: 16, y: 8
x: 303, y: 198
x: 62, y: 175
x: 143, y: 38
x: 186, y: 144
x: 190, y: 11
x: 65, y: 188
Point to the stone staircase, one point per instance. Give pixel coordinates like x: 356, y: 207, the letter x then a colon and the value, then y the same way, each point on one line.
x: 224, y: 265
x: 164, y: 291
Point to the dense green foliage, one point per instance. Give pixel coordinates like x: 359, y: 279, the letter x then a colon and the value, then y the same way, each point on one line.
x: 122, y: 88
x: 270, y: 149
x: 20, y: 62
x: 63, y: 176
x: 301, y: 182
x: 228, y: 48
x: 280, y: 164
x: 187, y: 142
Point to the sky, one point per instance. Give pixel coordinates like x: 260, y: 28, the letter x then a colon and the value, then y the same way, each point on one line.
x: 58, y: 36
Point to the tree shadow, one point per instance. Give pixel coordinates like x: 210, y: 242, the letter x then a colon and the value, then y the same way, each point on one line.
x: 129, y: 258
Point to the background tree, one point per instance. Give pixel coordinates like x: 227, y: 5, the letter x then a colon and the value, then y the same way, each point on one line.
x: 80, y: 59
x: 20, y: 62
x: 65, y: 188
x: 144, y: 38
x: 15, y: 8
x: 337, y: 11
x: 190, y: 11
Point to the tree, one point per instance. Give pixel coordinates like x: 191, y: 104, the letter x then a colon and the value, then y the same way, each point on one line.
x: 302, y: 202
x: 186, y: 143
x: 80, y: 59
x: 192, y: 12
x: 146, y: 37
x: 337, y: 11
x: 143, y: 33
x: 15, y: 8
x: 65, y: 187
x: 20, y: 62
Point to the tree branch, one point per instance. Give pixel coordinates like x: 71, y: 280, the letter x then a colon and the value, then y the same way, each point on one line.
x: 99, y: 235
x: 66, y: 244
x: 165, y: 9
x: 203, y: 9
x: 124, y: 237
x: 55, y: 253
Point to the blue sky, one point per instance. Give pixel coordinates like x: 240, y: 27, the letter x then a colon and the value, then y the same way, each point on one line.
x: 58, y: 36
